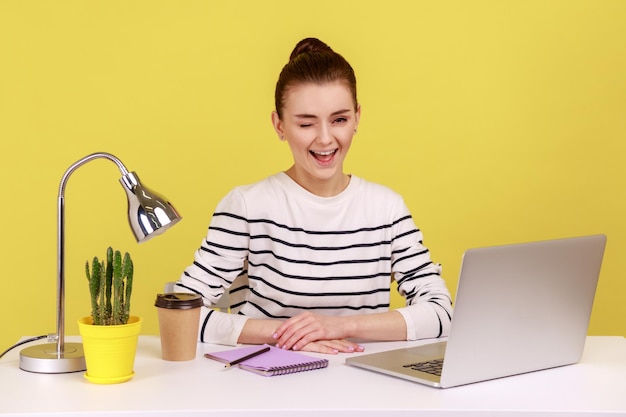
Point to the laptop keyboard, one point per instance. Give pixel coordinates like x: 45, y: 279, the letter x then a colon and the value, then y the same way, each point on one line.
x: 432, y: 367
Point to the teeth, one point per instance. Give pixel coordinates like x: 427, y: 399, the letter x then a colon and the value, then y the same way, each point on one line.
x: 324, y: 153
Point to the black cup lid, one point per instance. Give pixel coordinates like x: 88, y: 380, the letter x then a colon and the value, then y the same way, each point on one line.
x: 178, y: 300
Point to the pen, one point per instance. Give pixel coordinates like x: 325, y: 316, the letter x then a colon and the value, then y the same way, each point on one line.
x: 245, y: 358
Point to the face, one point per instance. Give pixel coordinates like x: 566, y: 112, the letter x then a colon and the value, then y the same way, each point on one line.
x: 318, y: 122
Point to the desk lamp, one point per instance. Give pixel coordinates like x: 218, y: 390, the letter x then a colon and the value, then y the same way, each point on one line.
x: 149, y: 214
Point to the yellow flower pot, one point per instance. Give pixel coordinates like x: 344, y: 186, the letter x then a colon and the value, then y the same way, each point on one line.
x: 110, y: 350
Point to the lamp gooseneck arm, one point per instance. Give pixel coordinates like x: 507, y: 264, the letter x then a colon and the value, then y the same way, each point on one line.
x: 60, y: 335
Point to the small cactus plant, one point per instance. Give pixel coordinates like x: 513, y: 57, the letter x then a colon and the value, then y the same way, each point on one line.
x: 110, y: 287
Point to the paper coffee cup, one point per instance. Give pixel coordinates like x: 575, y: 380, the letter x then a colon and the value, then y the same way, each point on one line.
x: 179, y: 318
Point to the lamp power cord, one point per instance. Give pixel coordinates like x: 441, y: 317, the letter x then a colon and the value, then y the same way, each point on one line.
x: 50, y: 337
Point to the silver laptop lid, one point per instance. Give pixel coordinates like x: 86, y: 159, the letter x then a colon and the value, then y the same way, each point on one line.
x: 521, y: 308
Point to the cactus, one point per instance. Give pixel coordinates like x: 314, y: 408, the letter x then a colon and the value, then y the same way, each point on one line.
x: 109, y: 282
x: 110, y: 288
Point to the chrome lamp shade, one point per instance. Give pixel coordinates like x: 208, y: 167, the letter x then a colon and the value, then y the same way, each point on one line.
x: 149, y: 214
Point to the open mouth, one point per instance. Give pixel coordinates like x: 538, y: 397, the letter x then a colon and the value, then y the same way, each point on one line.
x: 324, y: 156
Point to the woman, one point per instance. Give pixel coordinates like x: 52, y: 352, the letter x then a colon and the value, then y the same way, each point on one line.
x: 314, y: 248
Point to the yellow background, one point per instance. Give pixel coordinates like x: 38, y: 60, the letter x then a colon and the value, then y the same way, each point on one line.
x: 498, y: 121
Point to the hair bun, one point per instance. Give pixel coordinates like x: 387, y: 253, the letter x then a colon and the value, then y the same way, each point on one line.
x: 309, y: 45
x: 312, y: 61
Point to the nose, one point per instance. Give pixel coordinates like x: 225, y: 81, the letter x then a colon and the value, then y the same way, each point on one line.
x: 324, y: 135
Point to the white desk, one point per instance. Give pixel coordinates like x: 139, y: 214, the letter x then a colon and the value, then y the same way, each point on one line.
x: 595, y: 386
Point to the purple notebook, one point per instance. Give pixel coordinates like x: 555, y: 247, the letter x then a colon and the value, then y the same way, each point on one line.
x: 273, y: 362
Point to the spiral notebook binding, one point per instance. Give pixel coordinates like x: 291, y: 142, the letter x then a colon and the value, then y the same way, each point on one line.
x: 284, y: 370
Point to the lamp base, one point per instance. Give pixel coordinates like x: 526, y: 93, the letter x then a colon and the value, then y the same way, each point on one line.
x: 45, y: 359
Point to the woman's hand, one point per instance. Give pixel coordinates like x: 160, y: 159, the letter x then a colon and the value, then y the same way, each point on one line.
x: 303, y: 329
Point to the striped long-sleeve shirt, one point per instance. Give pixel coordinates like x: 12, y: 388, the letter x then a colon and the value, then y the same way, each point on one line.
x: 328, y: 255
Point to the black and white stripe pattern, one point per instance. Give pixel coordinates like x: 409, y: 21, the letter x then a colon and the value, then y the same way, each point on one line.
x: 331, y: 256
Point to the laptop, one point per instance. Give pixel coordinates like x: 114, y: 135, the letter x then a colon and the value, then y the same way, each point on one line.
x: 519, y: 308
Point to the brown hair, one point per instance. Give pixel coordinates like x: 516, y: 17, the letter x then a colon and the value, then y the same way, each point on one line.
x: 312, y: 61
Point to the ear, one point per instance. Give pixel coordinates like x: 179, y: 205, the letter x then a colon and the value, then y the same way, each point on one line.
x: 358, y: 116
x: 278, y: 125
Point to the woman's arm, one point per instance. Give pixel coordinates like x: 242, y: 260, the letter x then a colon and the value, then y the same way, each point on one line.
x: 257, y: 331
x: 297, y: 332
